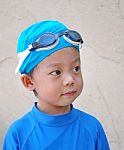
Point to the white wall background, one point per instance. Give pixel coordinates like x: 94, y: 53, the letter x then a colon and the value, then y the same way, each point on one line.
x: 101, y: 22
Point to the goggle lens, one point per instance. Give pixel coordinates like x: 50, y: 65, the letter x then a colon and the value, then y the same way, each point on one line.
x: 74, y: 36
x: 44, y: 41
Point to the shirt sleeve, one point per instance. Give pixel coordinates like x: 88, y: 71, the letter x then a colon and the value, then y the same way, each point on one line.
x: 102, y: 142
x: 11, y: 140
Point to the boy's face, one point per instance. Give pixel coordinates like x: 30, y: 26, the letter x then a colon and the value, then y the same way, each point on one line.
x: 58, y: 79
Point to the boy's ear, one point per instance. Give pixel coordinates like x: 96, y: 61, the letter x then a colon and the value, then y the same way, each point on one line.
x: 27, y: 82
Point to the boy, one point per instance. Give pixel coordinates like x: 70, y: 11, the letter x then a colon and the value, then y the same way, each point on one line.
x: 49, y: 63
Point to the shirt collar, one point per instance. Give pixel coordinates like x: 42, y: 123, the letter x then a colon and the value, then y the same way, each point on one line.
x: 54, y: 120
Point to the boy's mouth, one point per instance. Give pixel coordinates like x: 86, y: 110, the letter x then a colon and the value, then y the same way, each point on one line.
x: 69, y: 93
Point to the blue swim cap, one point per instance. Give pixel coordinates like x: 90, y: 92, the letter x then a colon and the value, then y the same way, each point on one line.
x: 31, y: 34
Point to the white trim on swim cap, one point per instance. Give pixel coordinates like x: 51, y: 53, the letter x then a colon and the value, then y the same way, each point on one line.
x: 21, y: 57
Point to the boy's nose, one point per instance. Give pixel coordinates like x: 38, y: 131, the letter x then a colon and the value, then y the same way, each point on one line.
x: 68, y: 80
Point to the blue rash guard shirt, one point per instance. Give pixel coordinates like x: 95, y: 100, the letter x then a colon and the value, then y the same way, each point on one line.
x: 75, y: 130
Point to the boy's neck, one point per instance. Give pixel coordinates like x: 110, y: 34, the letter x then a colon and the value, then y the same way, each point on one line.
x: 53, y: 110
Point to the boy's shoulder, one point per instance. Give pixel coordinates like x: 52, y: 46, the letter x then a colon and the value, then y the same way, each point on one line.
x: 87, y: 117
x: 23, y: 125
x: 20, y: 130
x: 24, y: 121
x: 89, y: 121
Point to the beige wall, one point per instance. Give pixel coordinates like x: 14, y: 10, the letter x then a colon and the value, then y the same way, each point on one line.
x: 101, y: 22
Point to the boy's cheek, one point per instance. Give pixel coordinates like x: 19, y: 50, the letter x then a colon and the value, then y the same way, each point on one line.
x: 81, y: 84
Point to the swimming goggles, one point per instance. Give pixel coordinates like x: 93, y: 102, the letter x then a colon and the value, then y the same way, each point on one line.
x: 48, y: 41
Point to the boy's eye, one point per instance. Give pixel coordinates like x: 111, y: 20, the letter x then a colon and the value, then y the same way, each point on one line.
x: 56, y: 73
x: 76, y: 69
